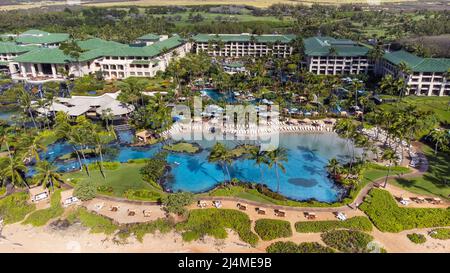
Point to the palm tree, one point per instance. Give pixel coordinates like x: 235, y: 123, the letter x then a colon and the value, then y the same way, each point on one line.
x: 405, y: 70
x: 440, y: 138
x: 107, y: 116
x: 333, y: 166
x: 47, y: 176
x: 389, y: 155
x: 25, y: 102
x: 260, y: 158
x: 34, y: 147
x: 275, y: 158
x: 15, y: 172
x: 220, y: 153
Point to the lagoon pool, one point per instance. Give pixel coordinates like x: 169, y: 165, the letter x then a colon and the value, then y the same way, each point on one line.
x: 305, y: 177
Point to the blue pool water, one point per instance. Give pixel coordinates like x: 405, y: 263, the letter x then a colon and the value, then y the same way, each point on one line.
x: 125, y: 136
x: 305, y: 177
x: 218, y: 96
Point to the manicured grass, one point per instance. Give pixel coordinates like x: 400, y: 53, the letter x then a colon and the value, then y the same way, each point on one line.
x: 15, y: 207
x: 41, y: 217
x: 96, y: 223
x: 182, y: 147
x: 416, y: 238
x: 387, y: 216
x: 291, y: 247
x: 270, y: 229
x: 355, y: 223
x: 435, y: 181
x: 438, y: 105
x: 213, y: 222
x: 120, y: 180
x: 375, y: 171
x: 440, y: 233
x: 348, y: 241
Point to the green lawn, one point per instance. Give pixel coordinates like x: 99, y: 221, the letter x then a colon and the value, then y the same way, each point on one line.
x: 435, y: 181
x: 438, y: 105
x: 182, y: 147
x: 126, y: 177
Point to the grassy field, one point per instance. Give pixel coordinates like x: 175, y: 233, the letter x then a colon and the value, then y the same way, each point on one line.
x: 255, y: 3
x: 436, y: 181
x: 126, y: 177
x: 439, y: 105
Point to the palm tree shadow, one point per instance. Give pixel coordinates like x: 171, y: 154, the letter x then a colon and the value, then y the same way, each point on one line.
x: 194, y: 165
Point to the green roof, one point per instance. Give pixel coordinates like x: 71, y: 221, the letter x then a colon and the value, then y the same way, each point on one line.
x: 3, y: 63
x: 418, y: 64
x: 35, y: 36
x: 8, y: 47
x: 266, y: 38
x: 321, y: 46
x: 57, y: 56
x: 149, y: 37
x: 44, y: 56
x: 95, y: 43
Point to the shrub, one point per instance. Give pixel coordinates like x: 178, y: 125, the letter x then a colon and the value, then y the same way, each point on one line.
x: 2, y: 191
x: 142, y: 195
x: 440, y: 233
x: 290, y: 247
x: 41, y: 217
x: 161, y: 225
x: 85, y: 190
x: 357, y: 223
x: 213, y: 222
x: 269, y: 229
x: 176, y: 202
x: 15, y: 207
x: 154, y: 168
x: 417, y: 238
x: 388, y: 216
x: 97, y: 223
x: 350, y: 241
x: 182, y: 147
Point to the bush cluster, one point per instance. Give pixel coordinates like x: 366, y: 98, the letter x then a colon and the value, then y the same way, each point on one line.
x: 269, y: 229
x: 290, y: 247
x: 213, y: 222
x: 356, y: 223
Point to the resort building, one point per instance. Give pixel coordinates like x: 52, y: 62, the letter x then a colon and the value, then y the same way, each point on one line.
x: 427, y: 76
x: 150, y: 39
x: 37, y: 63
x: 38, y: 38
x: 90, y: 106
x: 240, y: 45
x: 330, y: 56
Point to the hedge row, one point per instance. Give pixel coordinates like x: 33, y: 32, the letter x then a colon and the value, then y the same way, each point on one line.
x: 290, y: 247
x: 356, y: 223
x: 270, y: 229
x: 348, y: 241
x: 213, y: 222
x: 386, y: 215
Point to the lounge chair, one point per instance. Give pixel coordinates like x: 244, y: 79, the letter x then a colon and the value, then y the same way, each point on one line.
x: 261, y: 211
x: 131, y: 212
x: 280, y: 213
x: 310, y: 215
x: 146, y: 213
x: 114, y: 208
x: 217, y: 204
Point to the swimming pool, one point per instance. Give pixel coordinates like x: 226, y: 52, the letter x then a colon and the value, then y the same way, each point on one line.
x: 305, y: 177
x: 215, y: 95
